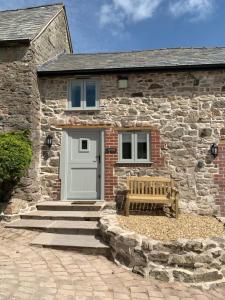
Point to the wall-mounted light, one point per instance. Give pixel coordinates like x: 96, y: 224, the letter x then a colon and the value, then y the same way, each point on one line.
x: 214, y: 150
x: 122, y: 82
x: 49, y: 140
x: 200, y: 164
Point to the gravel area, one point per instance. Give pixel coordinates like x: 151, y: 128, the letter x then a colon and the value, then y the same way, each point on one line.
x: 166, y: 229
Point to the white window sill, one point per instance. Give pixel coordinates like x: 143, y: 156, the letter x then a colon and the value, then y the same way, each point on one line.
x: 81, y: 109
x: 135, y: 163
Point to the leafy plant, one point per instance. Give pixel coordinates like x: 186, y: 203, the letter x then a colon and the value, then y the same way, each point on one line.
x: 15, y: 158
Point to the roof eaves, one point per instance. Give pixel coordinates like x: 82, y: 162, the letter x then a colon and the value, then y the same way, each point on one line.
x: 131, y: 69
x: 14, y: 42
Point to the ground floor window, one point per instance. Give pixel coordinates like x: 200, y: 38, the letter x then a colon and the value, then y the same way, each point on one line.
x: 134, y: 147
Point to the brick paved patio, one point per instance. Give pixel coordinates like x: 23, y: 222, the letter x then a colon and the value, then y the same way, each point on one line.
x: 43, y: 274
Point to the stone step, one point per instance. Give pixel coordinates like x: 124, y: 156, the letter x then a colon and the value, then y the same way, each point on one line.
x: 70, y: 205
x: 62, y: 215
x: 71, y: 242
x: 59, y: 226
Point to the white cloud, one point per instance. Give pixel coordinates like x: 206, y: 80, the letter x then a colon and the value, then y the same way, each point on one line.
x: 199, y: 9
x: 120, y: 12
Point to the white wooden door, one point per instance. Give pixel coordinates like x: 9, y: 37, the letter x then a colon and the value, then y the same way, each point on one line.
x: 83, y: 165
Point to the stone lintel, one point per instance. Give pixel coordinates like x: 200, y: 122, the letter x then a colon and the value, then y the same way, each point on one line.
x: 83, y: 126
x: 65, y: 126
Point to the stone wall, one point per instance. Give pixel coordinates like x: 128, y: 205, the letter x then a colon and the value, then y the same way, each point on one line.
x: 20, y: 100
x: 54, y: 40
x: 187, y: 108
x: 199, y: 262
x: 20, y: 110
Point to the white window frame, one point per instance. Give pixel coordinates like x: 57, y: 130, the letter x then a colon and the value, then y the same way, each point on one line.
x: 83, y: 104
x: 134, y: 159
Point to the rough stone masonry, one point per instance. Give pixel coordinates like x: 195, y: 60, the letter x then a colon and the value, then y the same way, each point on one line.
x: 20, y: 99
x: 188, y: 117
x: 199, y: 262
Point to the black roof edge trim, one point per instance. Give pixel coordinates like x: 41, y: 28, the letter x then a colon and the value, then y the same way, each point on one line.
x: 14, y: 42
x: 129, y: 70
x: 32, y: 7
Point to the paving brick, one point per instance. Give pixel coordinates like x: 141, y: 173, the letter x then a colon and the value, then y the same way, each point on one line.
x: 172, y: 298
x: 67, y: 275
x: 139, y: 296
x: 138, y: 289
x: 157, y: 294
x: 202, y: 297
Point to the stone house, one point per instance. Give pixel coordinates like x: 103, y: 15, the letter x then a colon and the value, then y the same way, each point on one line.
x: 145, y: 113
x: 97, y: 118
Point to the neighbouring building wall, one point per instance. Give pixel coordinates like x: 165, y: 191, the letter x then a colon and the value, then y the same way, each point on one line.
x: 54, y: 40
x: 20, y: 110
x: 186, y: 111
x: 20, y: 100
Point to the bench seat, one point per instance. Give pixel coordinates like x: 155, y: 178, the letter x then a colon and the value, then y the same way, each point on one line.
x: 148, y: 198
x: 153, y: 190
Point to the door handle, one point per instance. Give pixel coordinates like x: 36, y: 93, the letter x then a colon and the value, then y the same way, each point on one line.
x: 99, y: 159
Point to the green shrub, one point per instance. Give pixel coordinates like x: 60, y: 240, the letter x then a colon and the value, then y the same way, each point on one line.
x: 15, y: 157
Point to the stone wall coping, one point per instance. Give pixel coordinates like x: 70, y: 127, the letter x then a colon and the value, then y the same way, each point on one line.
x: 197, y: 262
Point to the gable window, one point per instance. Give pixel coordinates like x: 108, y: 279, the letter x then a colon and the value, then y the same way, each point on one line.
x: 134, y: 147
x: 83, y: 94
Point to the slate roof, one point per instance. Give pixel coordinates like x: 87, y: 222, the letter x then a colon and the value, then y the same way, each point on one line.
x: 149, y: 59
x: 25, y: 24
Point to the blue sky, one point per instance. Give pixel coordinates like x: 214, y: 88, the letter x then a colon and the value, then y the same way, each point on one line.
x: 121, y: 25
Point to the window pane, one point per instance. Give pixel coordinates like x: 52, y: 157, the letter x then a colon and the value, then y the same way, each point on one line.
x: 84, y: 144
x: 126, y: 146
x: 90, y: 94
x: 142, y: 146
x: 76, y: 95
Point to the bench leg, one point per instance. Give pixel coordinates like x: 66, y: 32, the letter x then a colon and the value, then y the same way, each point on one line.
x: 127, y: 206
x: 176, y: 207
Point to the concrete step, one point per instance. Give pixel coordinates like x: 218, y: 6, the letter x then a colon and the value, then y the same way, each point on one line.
x: 70, y: 205
x: 71, y: 242
x: 62, y: 215
x: 60, y: 226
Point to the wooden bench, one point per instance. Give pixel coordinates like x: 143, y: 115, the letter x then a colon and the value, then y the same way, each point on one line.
x: 148, y: 189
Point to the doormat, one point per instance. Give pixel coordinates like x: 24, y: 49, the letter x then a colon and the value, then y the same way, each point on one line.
x: 83, y: 202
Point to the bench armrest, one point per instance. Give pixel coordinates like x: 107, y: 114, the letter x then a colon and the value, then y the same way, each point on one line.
x: 175, y: 190
x: 173, y: 193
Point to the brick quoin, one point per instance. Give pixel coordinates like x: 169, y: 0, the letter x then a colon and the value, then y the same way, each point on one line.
x: 111, y: 181
x: 219, y: 178
x: 155, y: 146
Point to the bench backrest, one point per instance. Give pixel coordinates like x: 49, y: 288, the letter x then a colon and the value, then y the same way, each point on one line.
x: 145, y: 185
